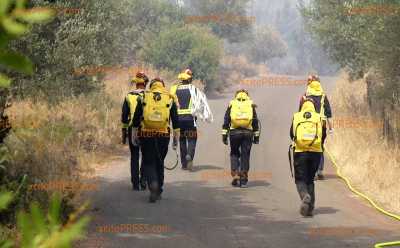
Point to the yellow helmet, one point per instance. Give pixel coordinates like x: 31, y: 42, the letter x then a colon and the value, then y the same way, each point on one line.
x: 140, y: 78
x: 186, y: 75
x: 314, y: 89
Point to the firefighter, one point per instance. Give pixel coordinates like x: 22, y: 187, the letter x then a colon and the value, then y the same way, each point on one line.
x: 183, y: 94
x: 307, y: 136
x: 241, y: 124
x: 152, y: 118
x: 128, y: 109
x: 322, y: 106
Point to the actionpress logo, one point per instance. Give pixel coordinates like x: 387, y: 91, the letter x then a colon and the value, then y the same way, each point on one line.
x: 273, y: 81
x: 134, y: 228
x: 375, y: 9
x: 94, y: 70
x: 62, y: 185
x: 346, y: 122
x: 66, y: 11
x: 221, y: 19
x: 156, y: 134
x: 57, y: 10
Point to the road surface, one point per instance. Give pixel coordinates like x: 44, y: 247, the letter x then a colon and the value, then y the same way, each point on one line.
x: 200, y: 209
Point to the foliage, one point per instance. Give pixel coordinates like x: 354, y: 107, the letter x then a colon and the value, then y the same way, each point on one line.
x: 227, y: 19
x: 36, y: 229
x: 265, y: 45
x: 5, y: 199
x: 95, y: 34
x: 181, y: 47
x: 358, y: 40
x: 362, y: 36
x: 39, y: 230
x: 16, y: 21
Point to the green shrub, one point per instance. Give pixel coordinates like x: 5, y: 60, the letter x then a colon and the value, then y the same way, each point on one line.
x: 180, y: 47
x: 40, y: 230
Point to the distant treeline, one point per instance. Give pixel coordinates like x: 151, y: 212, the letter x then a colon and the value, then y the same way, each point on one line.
x: 127, y: 32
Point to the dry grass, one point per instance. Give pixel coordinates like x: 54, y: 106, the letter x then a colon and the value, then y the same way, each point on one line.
x: 64, y: 142
x: 74, y: 137
x: 366, y: 158
x: 56, y: 142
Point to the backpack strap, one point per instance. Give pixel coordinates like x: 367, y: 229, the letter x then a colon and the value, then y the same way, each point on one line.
x: 316, y: 134
x: 144, y: 99
x: 295, y: 131
x: 322, y: 112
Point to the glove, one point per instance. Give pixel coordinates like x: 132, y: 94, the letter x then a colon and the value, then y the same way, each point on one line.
x: 225, y: 139
x: 256, y: 140
x: 124, y: 135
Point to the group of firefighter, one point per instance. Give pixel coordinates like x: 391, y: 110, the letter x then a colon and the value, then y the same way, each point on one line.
x: 151, y: 114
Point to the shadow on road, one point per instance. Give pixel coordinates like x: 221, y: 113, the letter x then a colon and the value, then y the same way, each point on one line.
x: 198, y: 215
x: 325, y: 210
x: 206, y: 167
x: 330, y: 177
x: 258, y: 183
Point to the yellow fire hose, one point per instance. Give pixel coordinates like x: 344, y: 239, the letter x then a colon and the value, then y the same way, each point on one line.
x: 396, y: 217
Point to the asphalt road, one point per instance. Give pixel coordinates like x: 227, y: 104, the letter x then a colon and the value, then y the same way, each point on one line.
x: 200, y: 209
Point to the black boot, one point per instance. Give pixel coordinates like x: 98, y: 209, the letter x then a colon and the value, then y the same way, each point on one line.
x: 235, y: 182
x: 305, y: 198
x: 154, y: 192
x: 236, y: 178
x: 189, y: 162
x: 243, y: 183
x: 143, y: 184
x: 243, y: 179
x: 234, y: 170
x: 135, y: 184
x: 159, y: 197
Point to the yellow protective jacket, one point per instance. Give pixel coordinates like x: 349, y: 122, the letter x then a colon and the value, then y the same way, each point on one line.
x: 129, y: 106
x: 182, y: 95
